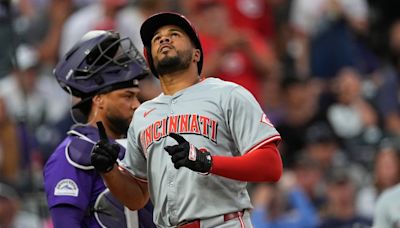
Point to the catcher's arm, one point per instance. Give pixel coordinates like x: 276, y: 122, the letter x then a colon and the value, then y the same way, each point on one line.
x: 131, y: 191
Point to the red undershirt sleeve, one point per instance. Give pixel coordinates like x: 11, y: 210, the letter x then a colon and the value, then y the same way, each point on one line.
x: 261, y: 165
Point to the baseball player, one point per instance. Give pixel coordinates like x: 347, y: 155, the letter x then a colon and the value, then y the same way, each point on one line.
x: 197, y: 144
x: 387, y: 208
x: 103, y: 70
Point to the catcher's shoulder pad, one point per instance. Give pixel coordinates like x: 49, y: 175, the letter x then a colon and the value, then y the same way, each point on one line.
x: 79, y: 149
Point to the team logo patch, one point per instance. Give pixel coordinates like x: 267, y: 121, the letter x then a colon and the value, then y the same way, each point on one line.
x: 66, y: 187
x: 264, y: 119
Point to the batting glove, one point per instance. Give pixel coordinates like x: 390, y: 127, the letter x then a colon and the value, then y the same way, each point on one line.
x: 187, y: 155
x: 104, y: 154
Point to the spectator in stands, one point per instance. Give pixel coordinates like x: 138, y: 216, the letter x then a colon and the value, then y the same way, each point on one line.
x: 11, y: 213
x: 308, y: 179
x: 9, y: 147
x: 256, y: 15
x: 353, y: 119
x: 340, y: 206
x: 386, y: 173
x: 294, y: 202
x: 28, y: 93
x: 6, y: 31
x: 385, y: 84
x: 234, y: 54
x: 323, y: 38
x: 323, y: 146
x: 20, y: 89
x: 27, y: 104
x: 299, y: 110
x: 101, y: 15
x: 283, y: 209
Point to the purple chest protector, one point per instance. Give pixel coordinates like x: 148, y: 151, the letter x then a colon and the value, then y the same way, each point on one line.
x: 107, y: 210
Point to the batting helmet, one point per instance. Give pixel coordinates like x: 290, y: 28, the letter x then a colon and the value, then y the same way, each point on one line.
x: 150, y: 26
x: 100, y: 62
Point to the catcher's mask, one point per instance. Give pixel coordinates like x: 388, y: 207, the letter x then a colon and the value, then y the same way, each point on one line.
x: 156, y: 21
x: 99, y: 63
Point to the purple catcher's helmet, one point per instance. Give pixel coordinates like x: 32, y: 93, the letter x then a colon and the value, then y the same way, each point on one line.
x: 100, y: 62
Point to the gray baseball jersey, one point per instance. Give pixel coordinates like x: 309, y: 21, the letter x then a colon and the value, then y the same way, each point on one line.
x: 387, y: 211
x: 220, y: 117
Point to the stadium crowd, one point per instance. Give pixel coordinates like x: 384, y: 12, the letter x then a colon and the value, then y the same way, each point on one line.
x: 326, y: 72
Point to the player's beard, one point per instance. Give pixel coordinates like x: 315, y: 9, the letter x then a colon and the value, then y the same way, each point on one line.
x: 118, y: 125
x: 173, y: 64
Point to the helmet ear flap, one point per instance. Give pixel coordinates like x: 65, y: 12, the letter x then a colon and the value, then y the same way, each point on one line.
x: 149, y: 60
x: 145, y: 54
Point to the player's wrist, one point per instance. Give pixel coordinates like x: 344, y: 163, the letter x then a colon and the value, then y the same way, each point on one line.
x: 205, y: 160
x: 211, y: 169
x: 109, y: 168
x: 208, y: 162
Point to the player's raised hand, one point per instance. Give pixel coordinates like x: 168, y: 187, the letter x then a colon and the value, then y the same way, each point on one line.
x: 187, y: 155
x: 104, y: 154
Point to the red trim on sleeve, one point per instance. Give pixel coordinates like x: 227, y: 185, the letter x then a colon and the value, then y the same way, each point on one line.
x: 263, y: 164
x: 275, y: 138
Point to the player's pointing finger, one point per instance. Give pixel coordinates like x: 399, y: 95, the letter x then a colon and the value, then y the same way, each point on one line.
x: 170, y: 149
x: 177, y: 137
x: 102, y: 131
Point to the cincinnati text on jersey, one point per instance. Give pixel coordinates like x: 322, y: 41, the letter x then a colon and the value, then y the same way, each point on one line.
x: 182, y: 124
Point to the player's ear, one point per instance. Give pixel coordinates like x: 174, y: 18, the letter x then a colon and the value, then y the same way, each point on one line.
x: 196, y: 55
x: 98, y: 100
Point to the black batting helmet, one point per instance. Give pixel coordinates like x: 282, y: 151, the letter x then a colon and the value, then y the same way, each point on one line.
x: 154, y: 22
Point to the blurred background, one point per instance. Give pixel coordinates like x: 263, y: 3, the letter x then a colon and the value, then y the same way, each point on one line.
x: 326, y: 72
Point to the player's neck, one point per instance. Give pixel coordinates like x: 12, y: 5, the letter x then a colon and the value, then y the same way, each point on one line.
x: 172, y: 83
